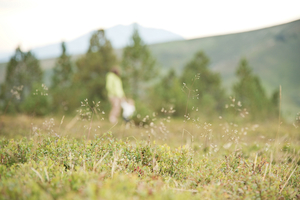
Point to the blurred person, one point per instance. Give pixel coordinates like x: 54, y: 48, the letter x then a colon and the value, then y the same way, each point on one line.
x: 115, y: 92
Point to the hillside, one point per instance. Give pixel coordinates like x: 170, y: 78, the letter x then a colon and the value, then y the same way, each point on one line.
x: 273, y: 53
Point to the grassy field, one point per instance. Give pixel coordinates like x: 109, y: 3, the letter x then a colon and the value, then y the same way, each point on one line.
x: 162, y: 158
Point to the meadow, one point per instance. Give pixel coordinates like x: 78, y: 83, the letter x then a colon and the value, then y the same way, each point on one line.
x: 187, y: 139
x: 161, y: 157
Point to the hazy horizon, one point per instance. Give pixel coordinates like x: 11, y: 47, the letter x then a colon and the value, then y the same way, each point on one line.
x: 34, y: 23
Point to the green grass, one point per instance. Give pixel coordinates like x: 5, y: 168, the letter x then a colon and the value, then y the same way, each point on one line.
x: 67, y: 158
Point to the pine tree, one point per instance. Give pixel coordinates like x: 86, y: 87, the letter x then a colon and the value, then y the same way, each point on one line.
x: 63, y: 70
x: 139, y: 67
x: 23, y: 71
x: 168, y: 94
x: 62, y: 80
x: 93, y: 67
x: 250, y: 92
x: 202, y: 86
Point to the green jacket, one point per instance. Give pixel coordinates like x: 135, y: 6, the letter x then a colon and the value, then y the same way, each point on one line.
x: 114, y: 85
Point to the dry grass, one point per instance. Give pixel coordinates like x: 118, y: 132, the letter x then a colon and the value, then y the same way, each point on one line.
x: 217, y: 160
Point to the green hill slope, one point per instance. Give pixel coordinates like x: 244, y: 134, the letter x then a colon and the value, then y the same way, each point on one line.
x: 273, y: 53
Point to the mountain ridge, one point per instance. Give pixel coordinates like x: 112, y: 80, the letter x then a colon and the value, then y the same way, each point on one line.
x: 118, y: 35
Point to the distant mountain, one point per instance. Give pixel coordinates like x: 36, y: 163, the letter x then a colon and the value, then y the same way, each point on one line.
x: 118, y: 35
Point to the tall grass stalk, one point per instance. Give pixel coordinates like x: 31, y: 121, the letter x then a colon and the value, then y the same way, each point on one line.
x: 279, y: 120
x: 288, y: 180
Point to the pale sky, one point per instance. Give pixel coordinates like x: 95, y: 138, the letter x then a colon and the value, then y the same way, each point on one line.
x: 34, y: 23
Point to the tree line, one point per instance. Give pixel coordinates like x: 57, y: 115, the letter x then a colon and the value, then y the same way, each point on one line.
x: 196, y: 91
